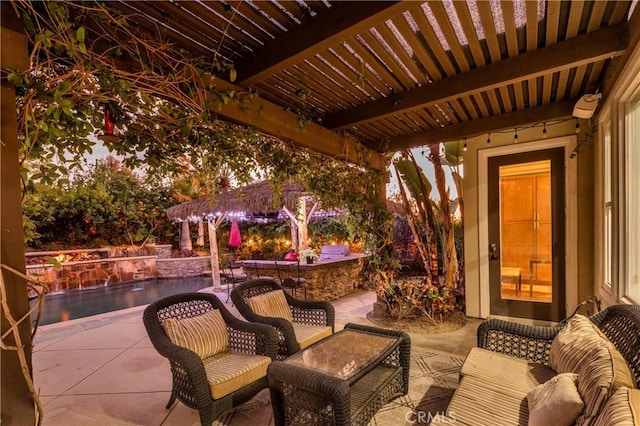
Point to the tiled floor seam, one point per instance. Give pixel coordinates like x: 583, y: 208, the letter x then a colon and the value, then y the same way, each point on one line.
x: 94, y: 371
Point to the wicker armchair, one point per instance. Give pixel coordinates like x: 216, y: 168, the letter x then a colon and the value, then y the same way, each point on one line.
x: 190, y: 381
x: 620, y: 323
x: 315, y: 313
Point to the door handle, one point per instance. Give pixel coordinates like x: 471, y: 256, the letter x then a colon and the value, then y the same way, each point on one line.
x: 493, y: 252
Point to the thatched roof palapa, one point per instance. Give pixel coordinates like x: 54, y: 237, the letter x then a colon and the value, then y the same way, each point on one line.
x: 257, y: 198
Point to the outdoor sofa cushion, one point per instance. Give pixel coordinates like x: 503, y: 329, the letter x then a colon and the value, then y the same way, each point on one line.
x: 271, y: 304
x: 555, y: 402
x: 493, y: 390
x: 505, y: 370
x: 307, y: 334
x: 580, y: 348
x: 478, y: 402
x: 622, y: 409
x: 229, y: 371
x: 204, y: 334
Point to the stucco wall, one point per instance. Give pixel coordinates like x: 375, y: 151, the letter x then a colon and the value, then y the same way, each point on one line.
x: 584, y: 216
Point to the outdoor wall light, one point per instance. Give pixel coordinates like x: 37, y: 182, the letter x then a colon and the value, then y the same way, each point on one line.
x: 586, y: 105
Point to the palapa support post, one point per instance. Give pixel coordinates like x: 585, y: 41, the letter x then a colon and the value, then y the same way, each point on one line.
x: 185, y: 236
x: 200, y: 241
x: 303, y: 232
x: 212, y: 225
x: 294, y: 227
x: 299, y: 229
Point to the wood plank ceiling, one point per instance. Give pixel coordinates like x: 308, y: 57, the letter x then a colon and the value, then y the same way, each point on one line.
x: 396, y: 75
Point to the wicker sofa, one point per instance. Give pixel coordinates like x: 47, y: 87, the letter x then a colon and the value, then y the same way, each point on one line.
x: 584, y: 372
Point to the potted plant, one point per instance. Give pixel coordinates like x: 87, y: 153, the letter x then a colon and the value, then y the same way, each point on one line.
x: 309, y: 254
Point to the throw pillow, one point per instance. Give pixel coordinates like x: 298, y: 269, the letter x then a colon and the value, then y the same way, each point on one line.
x: 555, y: 402
x: 580, y: 348
x: 570, y: 346
x: 622, y: 409
x: 271, y: 304
x: 204, y: 334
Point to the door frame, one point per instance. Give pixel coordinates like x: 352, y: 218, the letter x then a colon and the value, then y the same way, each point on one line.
x: 571, y: 216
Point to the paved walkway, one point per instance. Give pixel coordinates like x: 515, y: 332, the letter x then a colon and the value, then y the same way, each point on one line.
x: 103, y: 370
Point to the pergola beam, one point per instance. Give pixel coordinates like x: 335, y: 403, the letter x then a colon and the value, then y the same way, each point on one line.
x: 340, y: 22
x: 274, y: 120
x: 617, y: 64
x: 485, y: 125
x: 581, y: 50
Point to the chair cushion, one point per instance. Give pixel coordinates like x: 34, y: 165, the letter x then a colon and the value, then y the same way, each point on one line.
x: 307, y: 335
x: 229, y: 371
x: 478, y: 402
x: 271, y: 304
x: 508, y: 371
x: 555, y: 402
x: 204, y: 334
x: 621, y: 409
x: 580, y: 348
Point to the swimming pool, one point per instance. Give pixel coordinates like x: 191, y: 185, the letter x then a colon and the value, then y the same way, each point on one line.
x: 76, y: 303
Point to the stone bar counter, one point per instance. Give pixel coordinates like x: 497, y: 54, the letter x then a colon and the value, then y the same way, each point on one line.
x: 324, y: 279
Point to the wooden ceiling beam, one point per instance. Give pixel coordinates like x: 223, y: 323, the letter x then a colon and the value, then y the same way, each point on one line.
x: 617, y: 65
x: 585, y: 49
x: 484, y: 125
x: 274, y: 120
x: 342, y: 21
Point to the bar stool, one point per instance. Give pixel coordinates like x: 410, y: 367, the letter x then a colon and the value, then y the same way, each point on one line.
x: 255, y: 266
x: 294, y: 283
x: 231, y: 278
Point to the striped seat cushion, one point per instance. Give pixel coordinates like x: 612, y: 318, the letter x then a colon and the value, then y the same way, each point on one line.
x: 622, y: 409
x: 229, y: 371
x: 271, y: 304
x: 204, y: 334
x: 478, y: 402
x: 509, y: 371
x: 307, y: 335
x: 580, y: 348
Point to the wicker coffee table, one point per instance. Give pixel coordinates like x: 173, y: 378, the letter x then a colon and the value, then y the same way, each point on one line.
x: 342, y: 380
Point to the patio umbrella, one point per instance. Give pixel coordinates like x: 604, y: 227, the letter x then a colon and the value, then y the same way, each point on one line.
x: 234, y: 236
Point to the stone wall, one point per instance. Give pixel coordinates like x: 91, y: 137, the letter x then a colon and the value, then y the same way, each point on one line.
x: 329, y: 281
x: 163, y: 251
x: 92, y: 273
x: 182, y: 267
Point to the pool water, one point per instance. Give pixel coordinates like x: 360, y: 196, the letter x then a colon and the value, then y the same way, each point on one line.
x: 76, y: 303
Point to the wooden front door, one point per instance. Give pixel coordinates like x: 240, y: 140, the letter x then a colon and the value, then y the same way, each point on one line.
x: 526, y: 234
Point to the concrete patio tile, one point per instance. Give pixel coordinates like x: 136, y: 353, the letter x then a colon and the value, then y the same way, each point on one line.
x: 46, y: 400
x: 107, y: 409
x: 135, y: 370
x: 181, y: 415
x: 109, y: 336
x: 255, y: 412
x: 55, y: 372
x: 145, y: 342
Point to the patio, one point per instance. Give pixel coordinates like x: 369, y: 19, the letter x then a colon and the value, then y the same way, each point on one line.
x: 103, y: 370
x: 365, y: 82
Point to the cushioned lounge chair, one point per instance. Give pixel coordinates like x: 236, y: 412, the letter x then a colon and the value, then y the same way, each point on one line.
x: 299, y: 323
x: 220, y: 361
